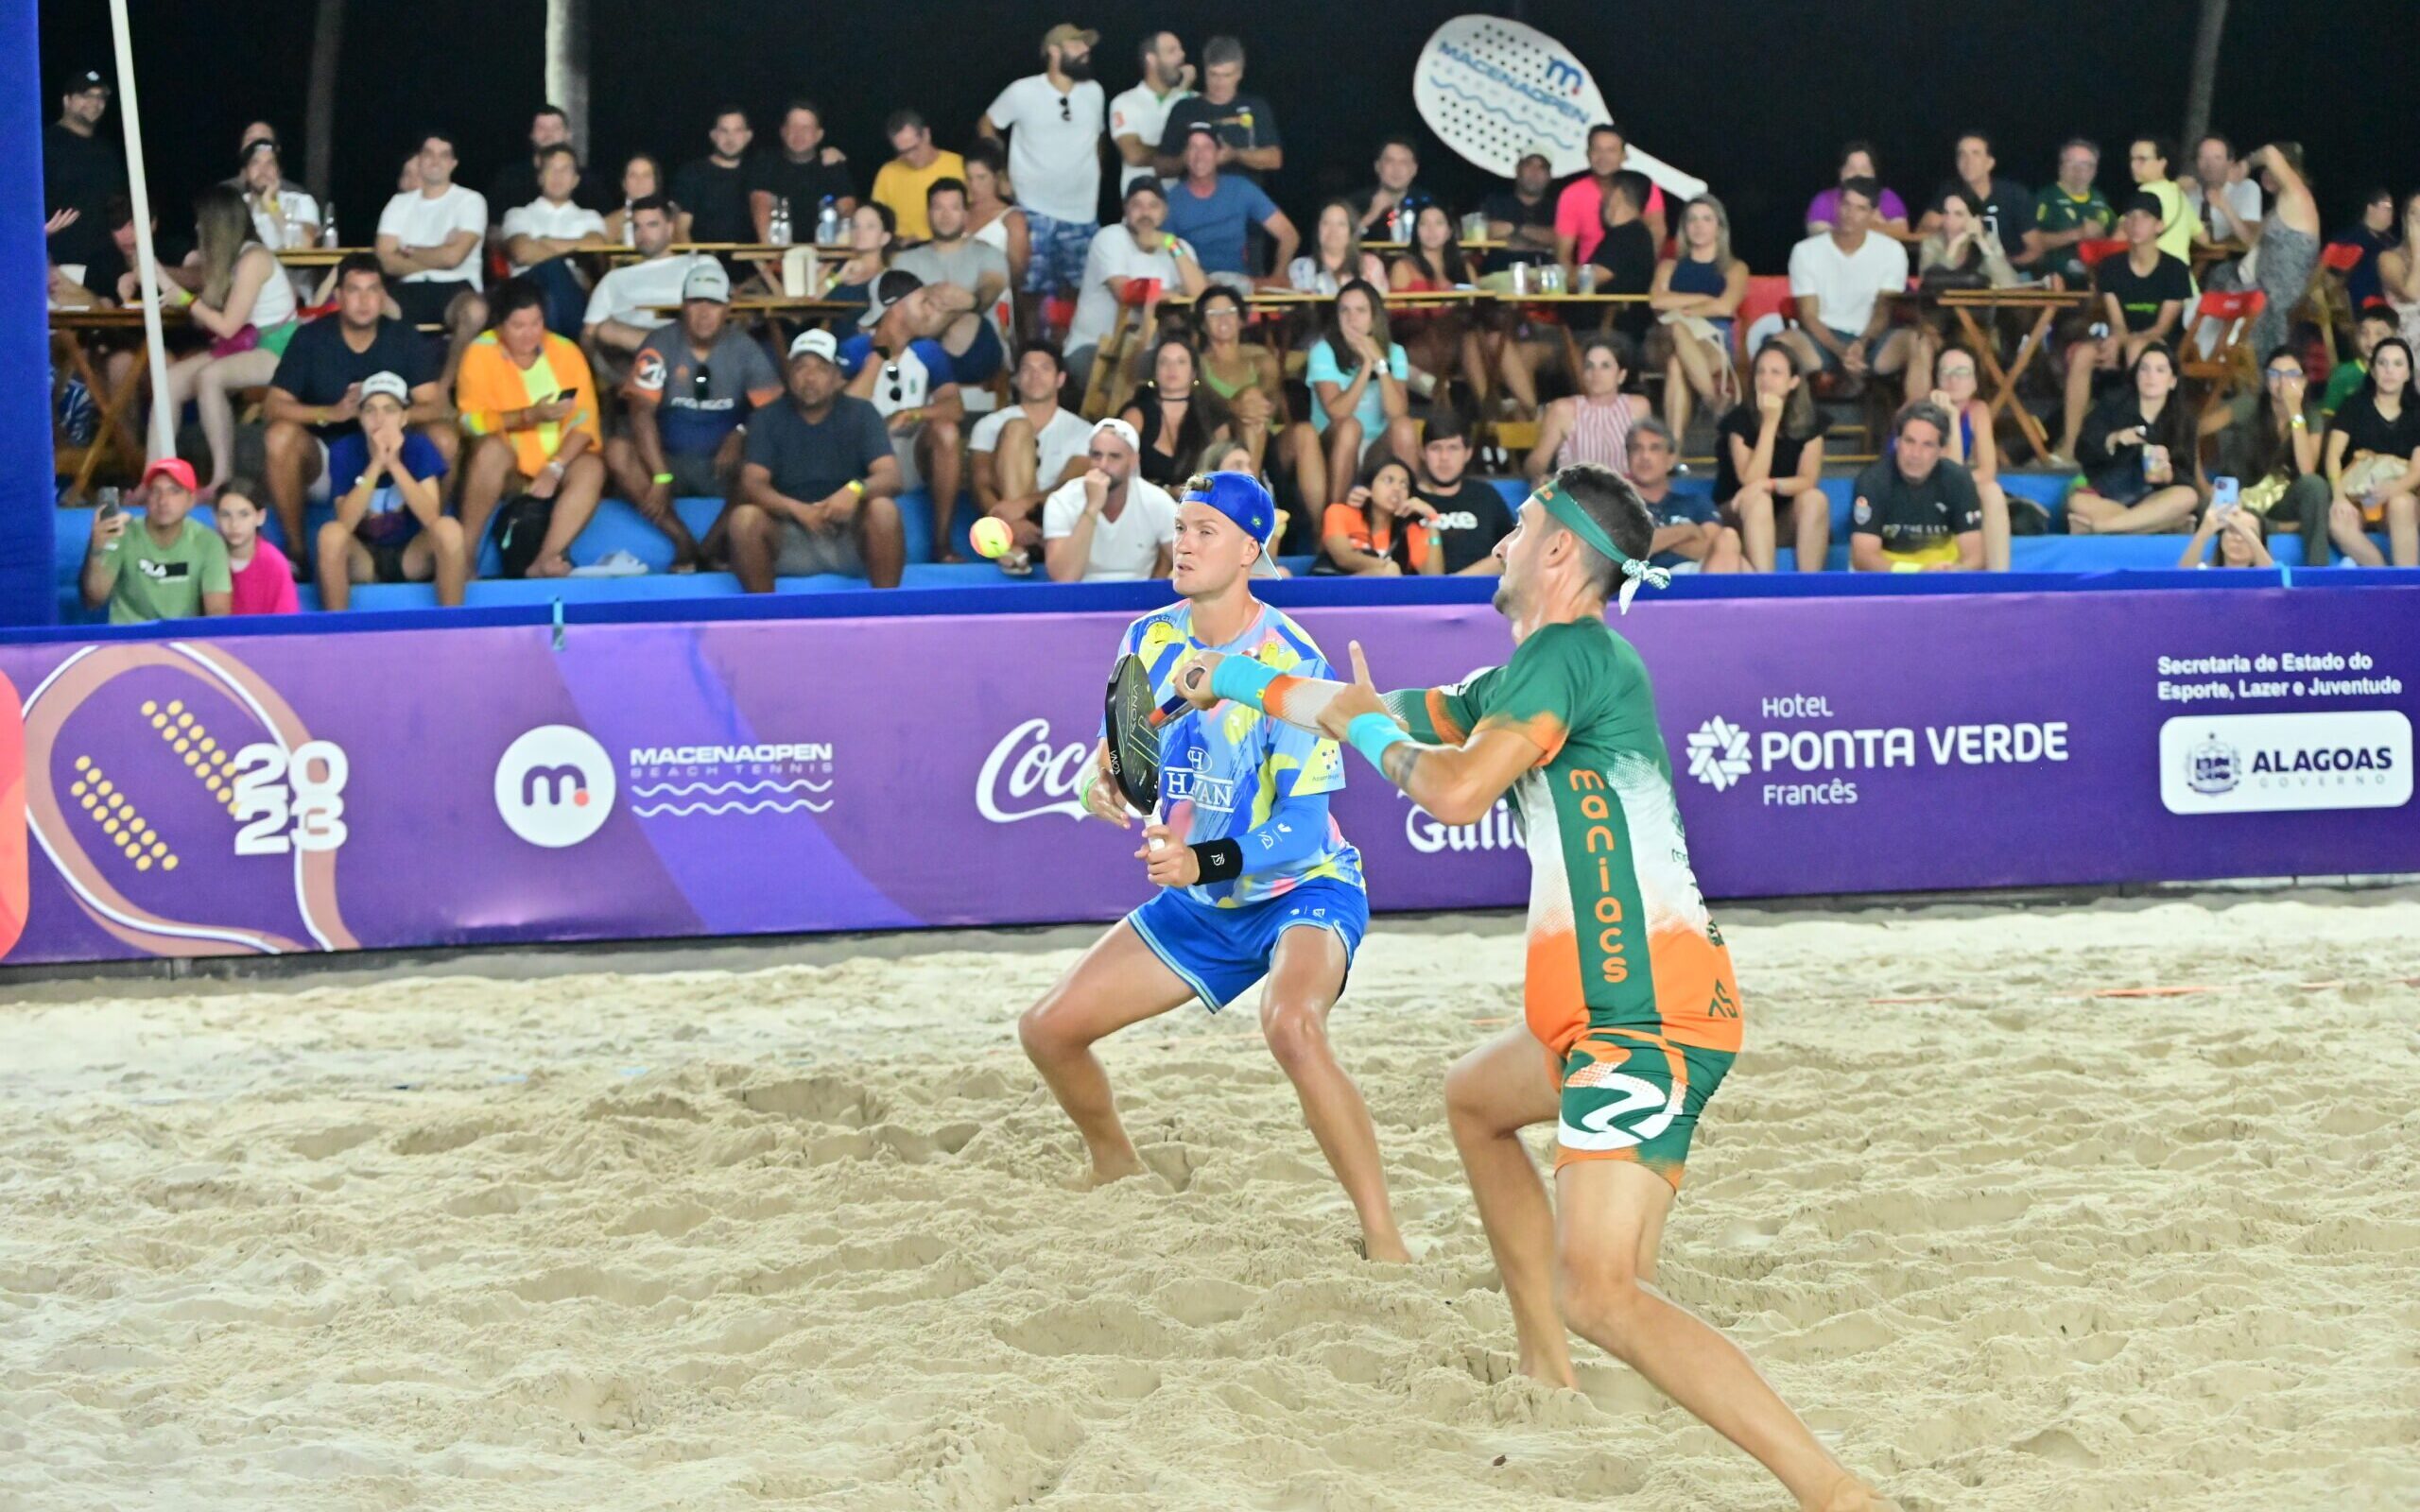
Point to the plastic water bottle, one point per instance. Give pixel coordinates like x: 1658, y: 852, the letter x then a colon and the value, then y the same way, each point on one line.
x: 328, y: 228
x: 630, y: 224
x: 827, y: 224
x: 777, y: 230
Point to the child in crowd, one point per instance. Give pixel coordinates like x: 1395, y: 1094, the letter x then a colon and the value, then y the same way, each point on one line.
x: 264, y: 581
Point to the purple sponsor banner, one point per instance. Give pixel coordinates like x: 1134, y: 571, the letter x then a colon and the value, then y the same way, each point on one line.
x: 449, y: 786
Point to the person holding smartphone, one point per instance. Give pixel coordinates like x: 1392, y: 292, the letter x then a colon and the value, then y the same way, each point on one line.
x: 528, y: 400
x: 2236, y: 530
x: 2141, y: 463
x: 170, y: 566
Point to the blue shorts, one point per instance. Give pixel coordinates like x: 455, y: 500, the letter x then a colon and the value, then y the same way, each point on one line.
x: 1828, y: 360
x: 1059, y: 249
x: 1221, y: 952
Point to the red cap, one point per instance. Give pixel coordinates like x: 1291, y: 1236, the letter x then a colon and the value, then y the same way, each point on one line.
x: 175, y: 469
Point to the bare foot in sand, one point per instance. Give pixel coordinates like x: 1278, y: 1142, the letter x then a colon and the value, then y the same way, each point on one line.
x: 1555, y: 1371
x: 1387, y: 1250
x: 1849, y: 1494
x: 1116, y: 1168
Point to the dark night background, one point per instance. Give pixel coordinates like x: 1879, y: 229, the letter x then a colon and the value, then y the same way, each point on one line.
x: 1754, y: 98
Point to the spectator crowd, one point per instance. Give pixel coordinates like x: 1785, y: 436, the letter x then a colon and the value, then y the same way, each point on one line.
x: 492, y: 364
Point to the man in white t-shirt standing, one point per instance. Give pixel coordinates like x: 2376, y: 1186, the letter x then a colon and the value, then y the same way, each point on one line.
x: 1838, y: 280
x: 1110, y: 524
x: 1054, y: 122
x: 1023, y: 452
x: 1136, y: 247
x: 623, y: 310
x: 430, y: 242
x: 1137, y: 117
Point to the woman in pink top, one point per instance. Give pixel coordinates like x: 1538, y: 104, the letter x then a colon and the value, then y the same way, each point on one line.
x: 264, y: 581
x: 1890, y: 213
x: 1594, y: 424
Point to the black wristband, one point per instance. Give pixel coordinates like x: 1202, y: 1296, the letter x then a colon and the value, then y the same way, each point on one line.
x: 1221, y: 860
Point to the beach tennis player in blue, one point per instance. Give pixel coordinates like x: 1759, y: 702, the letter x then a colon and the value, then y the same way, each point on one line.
x: 1256, y: 879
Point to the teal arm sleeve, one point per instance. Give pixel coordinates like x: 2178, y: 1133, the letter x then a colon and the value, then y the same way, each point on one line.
x: 1371, y: 735
x: 1241, y: 678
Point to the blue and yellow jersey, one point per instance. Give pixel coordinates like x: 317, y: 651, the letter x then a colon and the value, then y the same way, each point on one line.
x: 1224, y: 772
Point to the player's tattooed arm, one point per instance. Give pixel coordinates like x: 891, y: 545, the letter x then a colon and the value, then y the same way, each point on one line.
x: 1457, y: 784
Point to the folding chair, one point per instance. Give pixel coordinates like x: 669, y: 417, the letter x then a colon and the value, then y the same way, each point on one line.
x: 1768, y: 296
x: 2093, y: 253
x: 2229, y: 363
x: 1138, y: 316
x: 2327, y: 297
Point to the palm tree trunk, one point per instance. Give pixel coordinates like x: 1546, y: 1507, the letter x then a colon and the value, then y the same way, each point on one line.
x: 319, y: 113
x: 2206, y: 75
x: 568, y: 65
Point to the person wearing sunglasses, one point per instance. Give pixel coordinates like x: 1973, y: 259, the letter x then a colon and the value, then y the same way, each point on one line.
x: 693, y: 384
x: 1053, y: 121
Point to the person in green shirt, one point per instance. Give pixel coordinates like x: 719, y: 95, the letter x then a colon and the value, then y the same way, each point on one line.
x: 172, y: 568
x: 2147, y: 159
x: 1631, y: 1009
x: 2070, y: 211
x: 2376, y: 324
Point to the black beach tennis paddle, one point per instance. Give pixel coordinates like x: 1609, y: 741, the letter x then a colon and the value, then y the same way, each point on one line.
x: 1133, y: 721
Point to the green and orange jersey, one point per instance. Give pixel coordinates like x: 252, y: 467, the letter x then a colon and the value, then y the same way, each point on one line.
x: 1618, y: 933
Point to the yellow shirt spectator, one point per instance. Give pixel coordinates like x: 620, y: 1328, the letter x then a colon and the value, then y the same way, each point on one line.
x: 902, y: 186
x: 490, y: 386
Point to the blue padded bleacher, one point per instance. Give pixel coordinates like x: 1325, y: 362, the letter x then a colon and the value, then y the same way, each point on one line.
x: 2057, y: 552
x: 620, y: 527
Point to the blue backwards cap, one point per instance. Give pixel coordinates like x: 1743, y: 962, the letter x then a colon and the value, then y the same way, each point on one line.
x: 1240, y: 497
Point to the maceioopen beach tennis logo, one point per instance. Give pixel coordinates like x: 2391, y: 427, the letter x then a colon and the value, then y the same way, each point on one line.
x: 554, y: 786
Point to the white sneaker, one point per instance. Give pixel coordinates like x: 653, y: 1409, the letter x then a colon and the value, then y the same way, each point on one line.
x: 616, y: 564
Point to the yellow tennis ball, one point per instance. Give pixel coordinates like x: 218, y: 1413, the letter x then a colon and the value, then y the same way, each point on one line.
x: 990, y: 537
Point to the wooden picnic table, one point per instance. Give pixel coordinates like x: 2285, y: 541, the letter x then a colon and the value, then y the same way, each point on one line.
x: 320, y: 256
x: 73, y: 336
x: 1999, y: 381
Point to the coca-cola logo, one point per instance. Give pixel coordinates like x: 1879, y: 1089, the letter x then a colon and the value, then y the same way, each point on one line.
x: 1025, y: 777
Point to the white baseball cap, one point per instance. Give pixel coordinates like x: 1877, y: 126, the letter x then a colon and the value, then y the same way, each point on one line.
x: 707, y: 281
x: 816, y: 344
x: 391, y: 385
x: 1124, y: 432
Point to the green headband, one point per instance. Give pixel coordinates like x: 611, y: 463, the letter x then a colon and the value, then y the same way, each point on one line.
x: 1559, y: 503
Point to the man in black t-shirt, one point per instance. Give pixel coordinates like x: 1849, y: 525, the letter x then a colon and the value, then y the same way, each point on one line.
x: 314, y: 396
x: 2144, y: 296
x: 1471, y: 515
x: 2006, y: 205
x: 80, y: 170
x: 1388, y: 209
x: 1522, y: 217
x: 804, y: 171
x: 516, y: 184
x: 714, y: 189
x: 1247, y: 127
x: 819, y: 484
x: 1916, y: 512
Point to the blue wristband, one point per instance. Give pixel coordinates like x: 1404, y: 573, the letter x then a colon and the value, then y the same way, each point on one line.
x: 1242, y: 679
x: 1371, y: 735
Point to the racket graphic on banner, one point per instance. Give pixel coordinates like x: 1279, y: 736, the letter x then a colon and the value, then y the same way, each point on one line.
x: 1133, y: 719
x: 184, y: 804
x: 1495, y: 90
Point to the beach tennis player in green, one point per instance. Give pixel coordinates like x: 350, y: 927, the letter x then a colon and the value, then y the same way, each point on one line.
x: 1633, y: 1014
